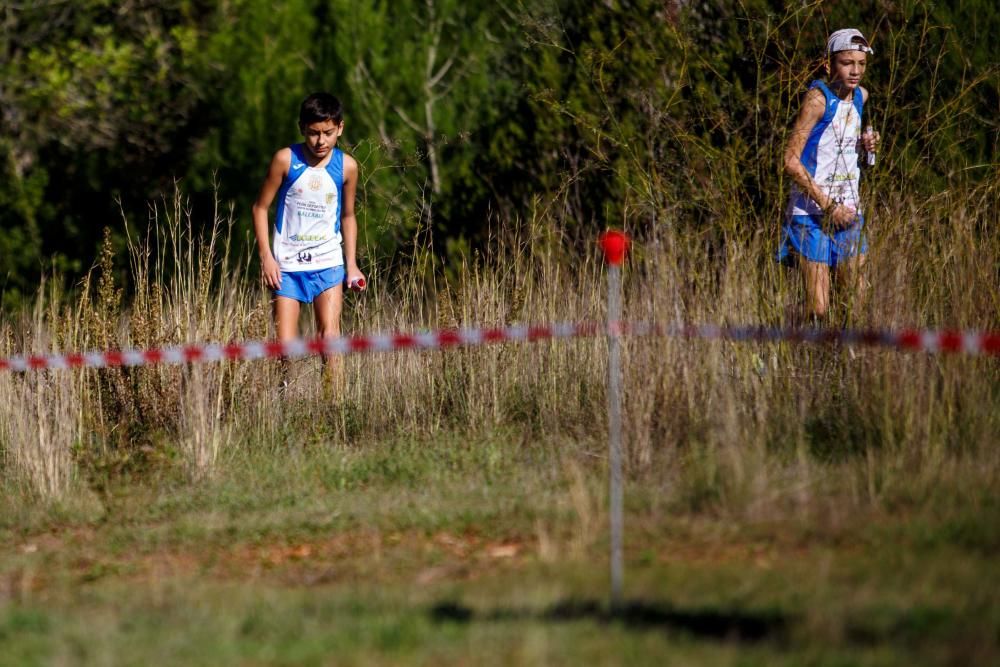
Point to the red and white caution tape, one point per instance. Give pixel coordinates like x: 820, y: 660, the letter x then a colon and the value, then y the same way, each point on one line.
x: 914, y: 340
x: 968, y: 342
x: 197, y: 352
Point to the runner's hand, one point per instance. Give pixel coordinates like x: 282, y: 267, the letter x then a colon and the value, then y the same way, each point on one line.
x: 870, y: 141
x: 270, y: 272
x: 843, y: 216
x: 354, y: 276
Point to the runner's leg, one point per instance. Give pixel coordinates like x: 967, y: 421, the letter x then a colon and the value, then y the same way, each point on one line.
x: 328, y: 306
x: 286, y: 324
x: 851, y: 279
x: 816, y: 279
x: 286, y: 317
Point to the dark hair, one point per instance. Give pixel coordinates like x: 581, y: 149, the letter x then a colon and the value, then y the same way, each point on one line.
x: 320, y: 107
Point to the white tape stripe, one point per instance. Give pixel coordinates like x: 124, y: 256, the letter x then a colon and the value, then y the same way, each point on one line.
x: 469, y: 336
x: 930, y: 341
x: 566, y: 330
x: 432, y: 341
x: 133, y: 358
x: 294, y: 348
x: 516, y: 332
x: 94, y: 359
x: 173, y: 355
x: 58, y: 362
x: 253, y: 350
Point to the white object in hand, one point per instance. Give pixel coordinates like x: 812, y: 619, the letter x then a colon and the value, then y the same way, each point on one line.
x: 869, y: 154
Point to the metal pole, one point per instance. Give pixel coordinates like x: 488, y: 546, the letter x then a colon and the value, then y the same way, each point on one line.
x: 615, y: 430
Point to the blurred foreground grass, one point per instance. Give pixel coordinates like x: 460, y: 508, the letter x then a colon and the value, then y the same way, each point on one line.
x: 486, y: 550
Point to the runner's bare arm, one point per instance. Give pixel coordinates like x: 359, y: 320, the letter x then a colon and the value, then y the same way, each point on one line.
x: 812, y: 112
x: 276, y: 172
x: 348, y: 220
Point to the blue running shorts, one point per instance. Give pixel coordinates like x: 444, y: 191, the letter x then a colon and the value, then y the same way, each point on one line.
x: 305, y: 286
x: 804, y: 235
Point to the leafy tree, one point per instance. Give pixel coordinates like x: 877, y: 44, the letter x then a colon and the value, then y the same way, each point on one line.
x: 658, y: 112
x: 672, y: 112
x: 97, y: 102
x: 422, y: 77
x: 257, y: 66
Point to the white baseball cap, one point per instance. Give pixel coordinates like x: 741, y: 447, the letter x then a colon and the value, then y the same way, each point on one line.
x: 847, y: 39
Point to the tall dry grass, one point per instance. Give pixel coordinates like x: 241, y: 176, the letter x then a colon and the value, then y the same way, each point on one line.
x: 749, y: 428
x: 40, y: 424
x: 41, y: 417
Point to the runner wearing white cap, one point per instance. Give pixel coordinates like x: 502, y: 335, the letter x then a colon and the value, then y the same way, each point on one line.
x: 824, y: 220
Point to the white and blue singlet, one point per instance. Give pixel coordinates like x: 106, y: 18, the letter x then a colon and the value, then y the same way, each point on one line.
x: 307, y: 225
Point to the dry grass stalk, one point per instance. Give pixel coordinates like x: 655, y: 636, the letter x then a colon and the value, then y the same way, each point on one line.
x: 39, y: 423
x: 201, y: 430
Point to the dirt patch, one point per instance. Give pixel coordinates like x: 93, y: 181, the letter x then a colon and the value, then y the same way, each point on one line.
x: 81, y: 556
x: 77, y: 558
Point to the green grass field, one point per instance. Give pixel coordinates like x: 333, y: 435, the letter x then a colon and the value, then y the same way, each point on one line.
x: 489, y: 550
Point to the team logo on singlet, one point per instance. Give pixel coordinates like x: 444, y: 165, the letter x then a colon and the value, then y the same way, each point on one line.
x: 315, y: 183
x: 329, y: 198
x: 305, y: 257
x: 307, y: 238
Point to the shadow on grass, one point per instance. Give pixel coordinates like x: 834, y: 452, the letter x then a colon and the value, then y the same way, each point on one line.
x: 713, y: 624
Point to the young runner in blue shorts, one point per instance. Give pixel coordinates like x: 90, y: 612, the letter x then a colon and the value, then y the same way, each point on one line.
x: 823, y: 221
x: 315, y: 229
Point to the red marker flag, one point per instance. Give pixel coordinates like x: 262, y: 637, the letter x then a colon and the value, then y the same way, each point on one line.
x: 615, y: 245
